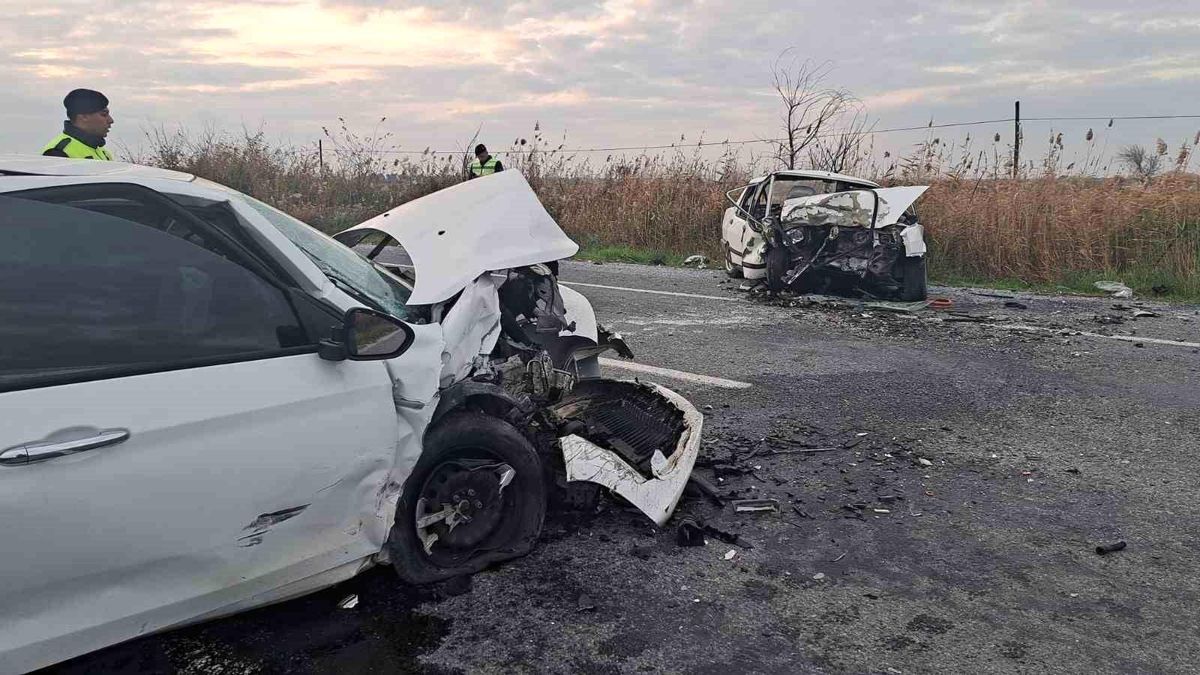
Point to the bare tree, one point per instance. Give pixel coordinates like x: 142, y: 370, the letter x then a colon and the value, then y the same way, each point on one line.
x: 847, y: 145
x: 808, y: 105
x: 1144, y: 164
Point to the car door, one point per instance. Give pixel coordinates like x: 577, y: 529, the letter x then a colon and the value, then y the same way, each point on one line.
x: 171, y: 445
x: 754, y: 205
x: 733, y: 224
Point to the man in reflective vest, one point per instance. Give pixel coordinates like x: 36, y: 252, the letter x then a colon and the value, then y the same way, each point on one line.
x: 484, y: 164
x: 86, y: 127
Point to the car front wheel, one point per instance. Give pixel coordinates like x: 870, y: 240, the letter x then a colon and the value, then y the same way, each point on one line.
x: 476, y: 497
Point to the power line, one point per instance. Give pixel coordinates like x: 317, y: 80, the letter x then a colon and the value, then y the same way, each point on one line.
x: 701, y: 144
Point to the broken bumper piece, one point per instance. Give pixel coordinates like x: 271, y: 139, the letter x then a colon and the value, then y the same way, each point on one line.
x: 638, y: 440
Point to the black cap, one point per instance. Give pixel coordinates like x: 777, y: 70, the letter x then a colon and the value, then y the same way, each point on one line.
x: 84, y: 101
x: 480, y: 148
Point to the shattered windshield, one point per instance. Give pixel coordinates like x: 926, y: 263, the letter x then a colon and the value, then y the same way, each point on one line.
x: 345, y: 268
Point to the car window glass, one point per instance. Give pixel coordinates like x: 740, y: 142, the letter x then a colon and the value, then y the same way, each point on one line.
x: 748, y: 196
x: 349, y: 270
x: 88, y: 294
x: 792, y: 188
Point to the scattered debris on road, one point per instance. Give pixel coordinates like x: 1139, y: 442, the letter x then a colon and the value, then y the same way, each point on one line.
x: 1110, y: 548
x: 1115, y: 289
x: 756, y: 506
x: 698, y: 261
x: 349, y: 602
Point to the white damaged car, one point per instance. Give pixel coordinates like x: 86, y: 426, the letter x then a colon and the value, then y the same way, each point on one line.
x: 207, y: 406
x: 821, y: 232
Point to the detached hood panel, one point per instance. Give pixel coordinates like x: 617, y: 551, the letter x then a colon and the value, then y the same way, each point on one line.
x: 456, y: 234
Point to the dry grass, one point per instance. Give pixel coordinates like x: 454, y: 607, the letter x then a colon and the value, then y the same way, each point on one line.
x: 1045, y: 228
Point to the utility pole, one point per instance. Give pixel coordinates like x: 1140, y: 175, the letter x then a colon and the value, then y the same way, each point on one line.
x: 1017, y: 141
x: 321, y: 155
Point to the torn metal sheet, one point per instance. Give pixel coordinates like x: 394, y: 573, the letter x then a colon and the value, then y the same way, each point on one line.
x: 854, y: 208
x: 457, y: 234
x: 470, y: 329
x: 657, y: 494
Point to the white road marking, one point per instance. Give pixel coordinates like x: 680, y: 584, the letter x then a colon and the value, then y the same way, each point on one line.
x: 1068, y: 331
x: 675, y: 374
x: 645, y: 290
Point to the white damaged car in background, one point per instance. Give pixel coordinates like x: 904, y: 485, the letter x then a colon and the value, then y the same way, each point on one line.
x: 820, y: 232
x: 207, y: 406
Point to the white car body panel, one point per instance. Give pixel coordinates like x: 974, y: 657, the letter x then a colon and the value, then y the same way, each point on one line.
x: 457, y: 234
x: 175, y: 522
x: 580, y: 312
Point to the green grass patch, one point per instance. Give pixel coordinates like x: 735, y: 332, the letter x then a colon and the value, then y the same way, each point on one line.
x: 629, y: 254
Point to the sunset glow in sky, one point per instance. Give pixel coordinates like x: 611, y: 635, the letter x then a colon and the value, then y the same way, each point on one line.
x: 618, y: 72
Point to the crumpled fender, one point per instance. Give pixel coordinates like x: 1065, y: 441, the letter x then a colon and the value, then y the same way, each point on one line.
x: 754, y: 259
x: 656, y: 497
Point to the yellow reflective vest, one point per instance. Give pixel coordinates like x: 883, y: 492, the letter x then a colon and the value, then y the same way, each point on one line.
x: 483, y: 169
x: 76, y: 149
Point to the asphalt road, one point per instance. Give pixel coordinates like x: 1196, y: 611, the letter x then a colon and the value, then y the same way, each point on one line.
x: 979, y: 460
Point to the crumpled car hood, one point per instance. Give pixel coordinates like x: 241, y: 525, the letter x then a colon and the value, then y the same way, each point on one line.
x: 457, y: 234
x: 893, y: 202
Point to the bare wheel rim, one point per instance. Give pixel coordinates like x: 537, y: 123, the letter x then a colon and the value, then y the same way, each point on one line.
x: 465, y: 506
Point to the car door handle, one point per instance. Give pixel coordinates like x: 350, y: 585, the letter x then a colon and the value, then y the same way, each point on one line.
x: 40, y: 451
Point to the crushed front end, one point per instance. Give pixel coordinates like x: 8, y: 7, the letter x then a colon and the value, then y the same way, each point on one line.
x: 860, y: 241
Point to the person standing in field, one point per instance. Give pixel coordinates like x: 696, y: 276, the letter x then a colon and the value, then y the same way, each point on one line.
x: 87, y: 125
x: 484, y: 164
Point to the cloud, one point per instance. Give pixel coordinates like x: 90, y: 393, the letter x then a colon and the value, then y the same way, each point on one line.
x: 609, y: 72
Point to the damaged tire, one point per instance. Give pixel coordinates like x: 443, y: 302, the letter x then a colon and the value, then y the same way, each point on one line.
x: 476, y: 497
x: 915, y: 279
x: 777, y: 266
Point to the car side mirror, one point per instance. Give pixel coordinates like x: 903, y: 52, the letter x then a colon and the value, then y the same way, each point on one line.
x: 367, y: 335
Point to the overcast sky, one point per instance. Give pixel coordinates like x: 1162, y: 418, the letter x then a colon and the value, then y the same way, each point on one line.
x: 621, y: 72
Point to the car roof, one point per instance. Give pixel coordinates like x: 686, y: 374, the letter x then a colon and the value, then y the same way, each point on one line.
x: 37, y: 165
x: 820, y: 175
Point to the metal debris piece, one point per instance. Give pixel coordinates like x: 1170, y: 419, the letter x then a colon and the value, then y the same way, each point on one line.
x: 756, y: 506
x: 699, y: 261
x: 993, y: 295
x: 1110, y: 548
x: 899, y: 307
x: 801, y: 451
x: 585, y: 604
x: 727, y: 537
x: 1115, y: 289
x: 689, y: 533
x: 924, y: 462
x: 349, y: 602
x: 729, y: 556
x: 1013, y: 304
x: 963, y: 317
x: 1143, y: 314
x: 819, y: 576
